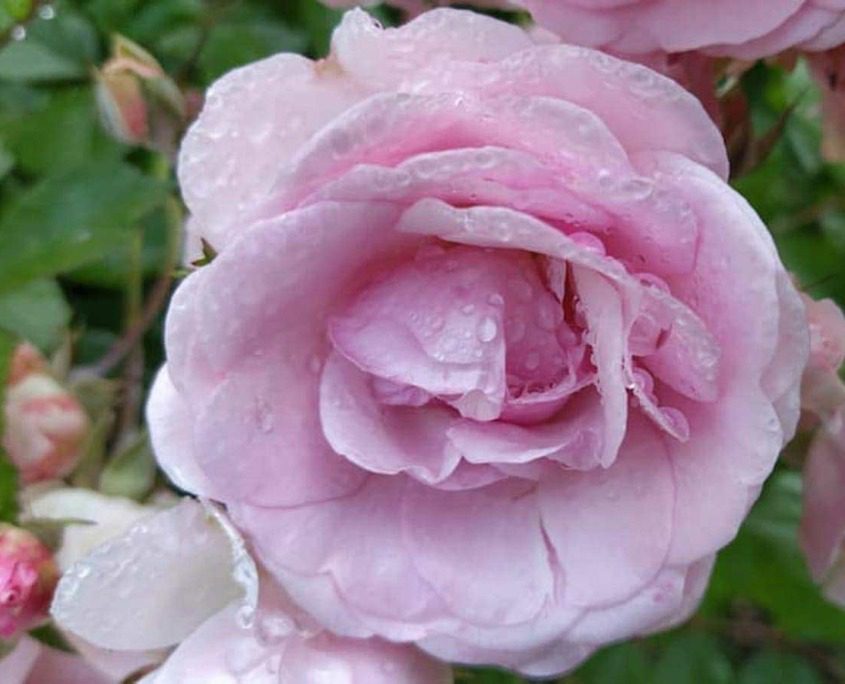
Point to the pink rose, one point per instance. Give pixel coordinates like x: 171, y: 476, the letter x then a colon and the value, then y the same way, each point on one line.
x: 746, y: 29
x: 45, y: 425
x: 28, y: 575
x: 491, y: 358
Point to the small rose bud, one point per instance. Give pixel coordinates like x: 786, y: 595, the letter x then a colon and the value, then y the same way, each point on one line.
x: 45, y: 425
x: 138, y: 102
x: 828, y: 68
x: 827, y: 334
x: 28, y: 576
x: 25, y: 361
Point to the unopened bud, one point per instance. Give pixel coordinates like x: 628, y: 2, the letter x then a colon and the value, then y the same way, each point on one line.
x: 45, y: 426
x: 28, y: 577
x: 138, y: 102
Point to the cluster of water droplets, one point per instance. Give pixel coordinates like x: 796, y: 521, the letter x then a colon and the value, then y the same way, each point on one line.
x: 45, y: 12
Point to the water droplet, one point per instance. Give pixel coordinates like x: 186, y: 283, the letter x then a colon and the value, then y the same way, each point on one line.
x: 264, y: 416
x: 496, y: 299
x: 468, y: 309
x: 487, y: 329
x: 47, y: 12
x: 589, y: 241
x: 19, y: 32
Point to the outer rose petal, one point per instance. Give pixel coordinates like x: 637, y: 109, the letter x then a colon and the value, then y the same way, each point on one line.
x: 105, y: 517
x: 823, y: 521
x: 282, y: 101
x: 495, y: 530
x: 56, y: 667
x: 748, y: 30
x: 381, y: 58
x: 33, y: 663
x: 172, y: 437
x: 179, y: 551
x: 221, y: 651
x: 16, y: 666
x: 628, y: 506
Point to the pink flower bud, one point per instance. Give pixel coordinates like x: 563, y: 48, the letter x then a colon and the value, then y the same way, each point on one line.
x: 28, y: 576
x: 822, y: 390
x: 45, y: 425
x: 139, y: 103
x: 26, y: 360
x: 827, y: 334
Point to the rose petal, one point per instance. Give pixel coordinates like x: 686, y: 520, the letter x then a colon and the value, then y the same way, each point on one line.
x: 356, y: 540
x: 169, y: 417
x: 383, y: 439
x: 611, y: 528
x: 106, y: 599
x: 494, y: 530
x: 253, y: 119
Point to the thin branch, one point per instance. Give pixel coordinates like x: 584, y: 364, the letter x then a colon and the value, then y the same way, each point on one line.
x: 155, y: 302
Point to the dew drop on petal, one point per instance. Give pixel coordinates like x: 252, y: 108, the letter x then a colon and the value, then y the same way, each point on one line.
x: 487, y: 329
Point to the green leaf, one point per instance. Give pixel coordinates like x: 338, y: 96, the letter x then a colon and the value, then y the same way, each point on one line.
x: 72, y: 218
x: 765, y: 566
x: 235, y: 44
x: 8, y: 473
x: 626, y: 663
x: 52, y: 637
x: 30, y: 60
x: 773, y: 667
x: 60, y: 134
x: 109, y: 272
x: 7, y: 161
x: 486, y: 677
x: 693, y: 659
x: 132, y: 472
x: 36, y: 311
x: 18, y: 9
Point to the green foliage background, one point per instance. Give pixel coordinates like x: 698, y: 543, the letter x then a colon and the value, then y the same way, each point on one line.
x: 86, y: 223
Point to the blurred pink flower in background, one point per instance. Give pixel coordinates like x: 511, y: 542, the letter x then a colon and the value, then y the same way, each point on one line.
x: 823, y: 397
x: 28, y: 575
x: 491, y: 358
x: 45, y: 425
x: 829, y: 70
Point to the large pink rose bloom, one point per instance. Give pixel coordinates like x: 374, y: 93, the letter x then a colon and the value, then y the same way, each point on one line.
x: 491, y: 358
x: 747, y: 29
